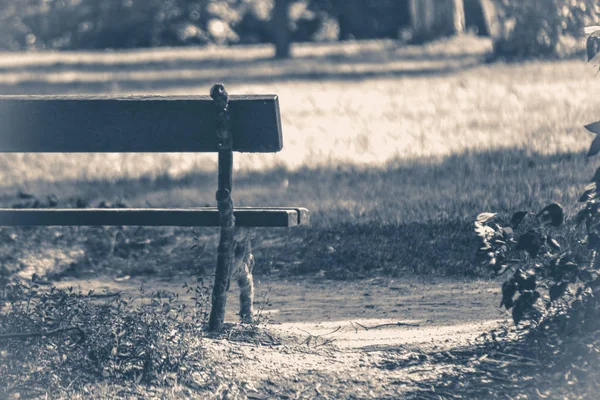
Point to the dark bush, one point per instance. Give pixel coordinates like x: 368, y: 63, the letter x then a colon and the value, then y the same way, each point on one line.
x: 100, y: 24
x: 539, y: 28
x: 366, y: 19
x: 93, y: 24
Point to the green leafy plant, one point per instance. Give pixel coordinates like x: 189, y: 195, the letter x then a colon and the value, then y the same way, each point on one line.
x: 550, y: 271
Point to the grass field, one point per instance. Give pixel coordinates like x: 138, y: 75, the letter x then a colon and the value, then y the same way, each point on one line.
x: 397, y: 147
x: 363, y: 104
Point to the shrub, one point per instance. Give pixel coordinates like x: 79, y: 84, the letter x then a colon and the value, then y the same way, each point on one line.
x: 548, y: 277
x: 99, y: 24
x: 50, y: 338
x: 69, y: 24
x: 539, y: 28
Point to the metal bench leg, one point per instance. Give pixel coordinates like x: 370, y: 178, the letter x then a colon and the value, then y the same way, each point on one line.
x: 225, y: 206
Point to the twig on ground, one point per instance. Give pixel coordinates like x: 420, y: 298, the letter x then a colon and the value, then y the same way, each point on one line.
x: 333, y: 331
x: 43, y: 334
x: 517, y: 357
x: 366, y: 328
x: 315, y: 338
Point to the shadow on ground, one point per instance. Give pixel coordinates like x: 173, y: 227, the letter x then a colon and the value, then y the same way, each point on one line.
x: 409, y: 217
x: 160, y: 69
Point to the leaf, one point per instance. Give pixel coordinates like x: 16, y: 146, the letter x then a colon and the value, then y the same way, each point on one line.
x: 523, y: 306
x: 552, y: 215
x: 558, y: 290
x: 484, y: 232
x: 596, y: 177
x: 501, y: 269
x: 580, y: 217
x: 588, y: 30
x: 518, y: 312
x: 485, y: 217
x: 529, y: 283
x: 526, y: 281
x: 592, y: 45
x: 594, y: 147
x: 508, y: 232
x: 588, y: 194
x: 565, y: 270
x: 509, y: 288
x: 517, y: 218
x: 531, y: 242
x: 593, y: 127
x: 595, y: 285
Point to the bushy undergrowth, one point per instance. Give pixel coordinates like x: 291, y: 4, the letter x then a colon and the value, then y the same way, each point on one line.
x: 548, y: 278
x: 556, y: 361
x: 553, y: 282
x: 56, y: 340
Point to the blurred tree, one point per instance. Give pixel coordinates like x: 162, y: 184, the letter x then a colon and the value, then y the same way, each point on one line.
x: 359, y: 19
x: 541, y: 28
x: 434, y: 18
x: 476, y: 18
x: 14, y: 34
x: 281, y: 28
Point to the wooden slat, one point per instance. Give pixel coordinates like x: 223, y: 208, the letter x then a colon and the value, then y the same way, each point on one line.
x: 206, y: 216
x: 135, y: 124
x: 302, y: 214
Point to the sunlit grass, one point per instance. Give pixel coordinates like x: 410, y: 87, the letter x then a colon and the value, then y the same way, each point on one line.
x: 359, y: 104
x: 394, y: 149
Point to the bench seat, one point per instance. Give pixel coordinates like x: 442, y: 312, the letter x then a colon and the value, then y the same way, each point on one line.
x: 196, y: 216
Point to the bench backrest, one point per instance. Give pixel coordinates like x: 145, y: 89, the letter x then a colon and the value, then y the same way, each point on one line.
x: 144, y: 124
x: 135, y: 124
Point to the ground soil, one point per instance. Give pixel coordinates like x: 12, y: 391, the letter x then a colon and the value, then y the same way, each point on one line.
x: 337, y: 339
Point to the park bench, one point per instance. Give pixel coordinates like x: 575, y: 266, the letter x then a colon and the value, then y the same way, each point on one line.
x: 219, y: 123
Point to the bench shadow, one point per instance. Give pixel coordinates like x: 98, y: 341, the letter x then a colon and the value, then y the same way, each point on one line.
x: 412, y: 216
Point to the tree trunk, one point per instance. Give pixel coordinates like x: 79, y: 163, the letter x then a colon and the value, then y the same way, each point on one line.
x: 281, y: 29
x: 490, y: 14
x: 458, y: 14
x: 422, y: 17
x: 435, y: 18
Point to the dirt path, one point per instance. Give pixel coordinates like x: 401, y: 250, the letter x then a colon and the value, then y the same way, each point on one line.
x: 318, y: 302
x: 335, y: 339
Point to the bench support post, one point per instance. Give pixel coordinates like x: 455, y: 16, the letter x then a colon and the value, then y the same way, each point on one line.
x: 225, y: 206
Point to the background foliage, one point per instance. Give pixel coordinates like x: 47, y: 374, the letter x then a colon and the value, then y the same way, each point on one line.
x: 541, y: 27
x: 84, y: 24
x: 524, y: 28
